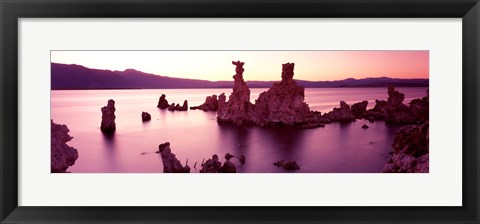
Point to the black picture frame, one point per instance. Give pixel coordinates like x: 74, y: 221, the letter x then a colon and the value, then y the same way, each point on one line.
x: 12, y: 10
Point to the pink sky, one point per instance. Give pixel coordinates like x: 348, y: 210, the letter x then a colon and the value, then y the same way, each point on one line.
x: 259, y: 65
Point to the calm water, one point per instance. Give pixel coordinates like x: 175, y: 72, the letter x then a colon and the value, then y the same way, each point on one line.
x: 195, y: 135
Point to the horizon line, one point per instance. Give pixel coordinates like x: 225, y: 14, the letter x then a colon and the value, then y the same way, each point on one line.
x: 51, y: 62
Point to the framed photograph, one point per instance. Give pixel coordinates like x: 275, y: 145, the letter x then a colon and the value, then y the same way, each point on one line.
x: 239, y: 112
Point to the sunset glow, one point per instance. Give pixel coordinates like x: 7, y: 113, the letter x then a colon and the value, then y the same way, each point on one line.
x: 259, y: 65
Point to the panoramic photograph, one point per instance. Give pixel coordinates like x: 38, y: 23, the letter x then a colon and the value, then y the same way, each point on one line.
x: 240, y: 111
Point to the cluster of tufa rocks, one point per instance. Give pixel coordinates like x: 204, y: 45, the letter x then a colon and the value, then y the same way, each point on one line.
x: 177, y: 107
x: 393, y: 110
x: 410, y: 150
x: 212, y: 103
x: 213, y: 165
x: 282, y: 104
x: 163, y: 104
x: 62, y: 155
x: 170, y: 162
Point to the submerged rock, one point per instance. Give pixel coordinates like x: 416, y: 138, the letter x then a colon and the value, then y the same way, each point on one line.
x: 170, y: 162
x: 146, y: 116
x: 62, y: 156
x: 287, y: 164
x: 238, y: 108
x: 211, y: 104
x: 410, y: 150
x: 162, y: 102
x: 108, y: 117
x: 365, y: 126
x: 242, y: 159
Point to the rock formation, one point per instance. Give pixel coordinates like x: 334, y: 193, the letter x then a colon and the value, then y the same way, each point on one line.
x: 410, y: 150
x: 222, y: 100
x: 284, y: 102
x: 170, y: 162
x: 211, y: 165
x: 162, y: 102
x: 62, y: 156
x: 211, y: 104
x: 394, y: 111
x: 359, y: 109
x: 108, y: 117
x: 228, y: 166
x: 287, y: 164
x: 184, y: 106
x: 238, y: 108
x: 419, y: 108
x: 177, y: 107
x: 342, y: 114
x: 146, y: 116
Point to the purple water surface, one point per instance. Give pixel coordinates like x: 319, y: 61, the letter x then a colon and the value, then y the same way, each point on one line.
x: 195, y: 135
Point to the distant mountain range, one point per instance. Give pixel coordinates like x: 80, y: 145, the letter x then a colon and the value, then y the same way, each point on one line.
x: 65, y: 76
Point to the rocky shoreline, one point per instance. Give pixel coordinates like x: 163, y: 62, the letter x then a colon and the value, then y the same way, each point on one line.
x: 62, y: 155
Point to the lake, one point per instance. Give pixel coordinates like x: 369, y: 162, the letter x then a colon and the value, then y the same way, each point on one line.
x: 195, y: 135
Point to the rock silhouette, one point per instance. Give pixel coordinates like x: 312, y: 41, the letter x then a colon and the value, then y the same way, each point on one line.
x: 359, y: 109
x: 228, y: 166
x: 283, y: 103
x: 108, y: 117
x: 62, y: 156
x: 146, y: 116
x: 170, y: 162
x: 163, y: 102
x: 211, y: 165
x: 238, y: 108
x: 343, y: 114
x: 393, y: 110
x: 177, y: 107
x: 211, y: 104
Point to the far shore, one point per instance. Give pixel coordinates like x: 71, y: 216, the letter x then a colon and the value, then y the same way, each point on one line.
x: 227, y: 87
